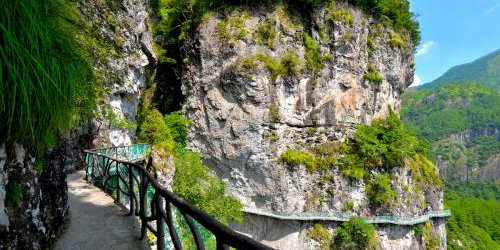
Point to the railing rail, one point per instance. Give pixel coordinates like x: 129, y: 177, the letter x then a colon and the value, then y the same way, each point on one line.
x: 112, y: 168
x: 120, y: 170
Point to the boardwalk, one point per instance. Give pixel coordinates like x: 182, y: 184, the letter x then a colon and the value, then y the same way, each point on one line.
x: 96, y: 223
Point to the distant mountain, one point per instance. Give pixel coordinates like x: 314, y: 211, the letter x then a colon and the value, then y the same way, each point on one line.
x: 485, y: 70
x: 459, y: 113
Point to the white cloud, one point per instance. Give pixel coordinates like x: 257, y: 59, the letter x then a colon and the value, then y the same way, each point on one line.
x: 416, y: 81
x: 493, y: 8
x: 424, y: 49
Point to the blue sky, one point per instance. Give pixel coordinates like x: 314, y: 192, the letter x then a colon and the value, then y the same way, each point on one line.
x: 454, y: 32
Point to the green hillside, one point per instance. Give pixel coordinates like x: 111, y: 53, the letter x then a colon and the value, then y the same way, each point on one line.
x: 485, y: 70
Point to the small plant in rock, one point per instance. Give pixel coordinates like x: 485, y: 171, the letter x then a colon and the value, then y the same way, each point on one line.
x: 321, y: 235
x: 274, y: 113
x: 355, y: 234
x: 379, y: 190
x: 373, y: 75
x: 266, y: 33
x: 298, y: 157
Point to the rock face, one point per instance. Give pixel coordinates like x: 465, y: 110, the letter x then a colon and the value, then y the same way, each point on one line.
x: 246, y: 111
x: 463, y: 169
x: 123, y: 44
x: 35, y: 199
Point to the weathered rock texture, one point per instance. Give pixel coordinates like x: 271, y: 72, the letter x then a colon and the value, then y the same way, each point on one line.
x: 36, y: 218
x: 123, y: 49
x: 462, y: 169
x: 244, y: 117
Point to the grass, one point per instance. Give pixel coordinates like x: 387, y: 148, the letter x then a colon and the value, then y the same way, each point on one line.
x: 266, y: 33
x: 289, y: 65
x: 49, y: 67
x: 321, y: 235
x: 274, y: 113
x: 314, y: 60
x: 342, y: 14
x: 373, y: 75
x: 298, y: 157
x: 379, y: 190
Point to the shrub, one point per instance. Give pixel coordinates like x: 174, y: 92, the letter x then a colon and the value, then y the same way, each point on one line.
x: 154, y: 130
x: 12, y: 194
x: 266, y: 32
x: 373, y: 75
x: 355, y: 234
x: 178, y: 126
x: 288, y: 66
x: 298, y: 157
x: 379, y: 190
x: 384, y: 143
x: 355, y: 174
x: 341, y: 15
x: 313, y: 57
x: 196, y: 184
x: 274, y: 113
x: 319, y: 234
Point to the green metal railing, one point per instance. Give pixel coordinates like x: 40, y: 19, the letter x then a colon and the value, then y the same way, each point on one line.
x: 342, y: 217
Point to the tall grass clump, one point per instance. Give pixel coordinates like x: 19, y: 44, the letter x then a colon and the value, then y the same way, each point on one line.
x: 45, y: 73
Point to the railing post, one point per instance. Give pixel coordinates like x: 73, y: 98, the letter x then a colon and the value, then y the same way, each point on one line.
x: 131, y: 189
x: 142, y: 205
x: 160, y: 221
x: 118, y: 183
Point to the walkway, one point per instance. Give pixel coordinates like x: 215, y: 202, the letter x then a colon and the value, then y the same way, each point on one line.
x: 96, y: 223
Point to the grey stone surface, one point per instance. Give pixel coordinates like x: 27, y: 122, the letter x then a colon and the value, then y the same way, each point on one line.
x: 95, y: 222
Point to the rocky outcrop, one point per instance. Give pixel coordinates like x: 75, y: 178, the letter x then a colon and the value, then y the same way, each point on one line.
x: 35, y: 198
x: 123, y: 58
x: 246, y: 110
x: 461, y: 165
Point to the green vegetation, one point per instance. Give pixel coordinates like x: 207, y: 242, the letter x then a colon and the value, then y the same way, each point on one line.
x: 441, y: 112
x: 321, y: 235
x: 298, y: 157
x: 118, y: 121
x: 313, y: 57
x: 431, y: 242
x: 193, y: 181
x: 45, y: 72
x: 475, y: 223
x: 266, y: 33
x: 342, y: 14
x: 373, y: 75
x: 274, y: 113
x: 385, y: 143
x: 379, y: 190
x: 397, y: 41
x: 355, y: 234
x: 12, y: 194
x: 196, y: 184
x: 289, y: 65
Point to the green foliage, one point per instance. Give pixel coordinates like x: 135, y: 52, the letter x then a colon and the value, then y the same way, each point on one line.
x: 441, y: 112
x: 475, y: 223
x: 396, y: 41
x: 395, y: 13
x: 274, y: 113
x: 222, y: 32
x: 153, y: 129
x: 355, y: 234
x: 379, y: 190
x: 266, y: 33
x: 373, y: 75
x: 342, y: 14
x: 12, y: 194
x: 355, y: 174
x: 385, y: 143
x: 423, y: 171
x: 288, y: 66
x: 348, y: 206
x: 321, y: 235
x: 419, y: 231
x: 118, y: 121
x: 313, y: 57
x: 298, y: 157
x: 46, y: 83
x: 195, y: 183
x: 178, y: 126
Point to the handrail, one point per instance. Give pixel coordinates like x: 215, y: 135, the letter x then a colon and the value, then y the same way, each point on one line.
x: 342, y: 217
x: 134, y: 181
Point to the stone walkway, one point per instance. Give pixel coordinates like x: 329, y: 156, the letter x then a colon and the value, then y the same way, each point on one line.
x: 95, y: 222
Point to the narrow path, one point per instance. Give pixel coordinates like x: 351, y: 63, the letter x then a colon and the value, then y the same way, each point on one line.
x: 96, y: 223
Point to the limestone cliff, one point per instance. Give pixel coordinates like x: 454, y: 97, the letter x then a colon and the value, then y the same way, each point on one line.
x: 260, y: 80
